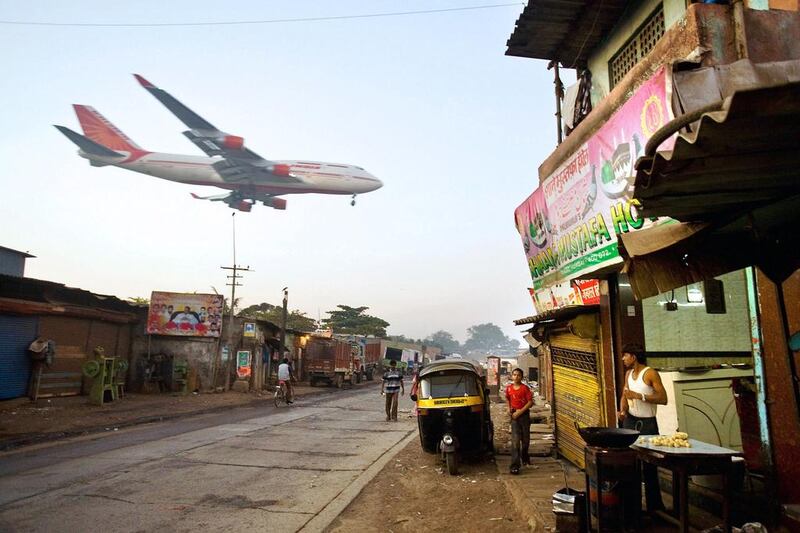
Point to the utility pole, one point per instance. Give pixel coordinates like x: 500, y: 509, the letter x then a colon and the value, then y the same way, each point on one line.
x: 283, y: 320
x: 559, y: 89
x: 234, y: 282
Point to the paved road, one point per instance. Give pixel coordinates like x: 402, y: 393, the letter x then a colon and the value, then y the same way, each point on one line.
x: 288, y: 469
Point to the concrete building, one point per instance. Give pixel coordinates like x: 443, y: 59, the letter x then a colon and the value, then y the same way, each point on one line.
x: 12, y: 262
x: 685, y: 111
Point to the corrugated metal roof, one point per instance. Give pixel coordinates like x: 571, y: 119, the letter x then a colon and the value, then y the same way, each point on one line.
x: 557, y: 314
x: 734, y: 184
x: 565, y: 30
x: 740, y: 157
x: 23, y: 254
x: 36, y: 290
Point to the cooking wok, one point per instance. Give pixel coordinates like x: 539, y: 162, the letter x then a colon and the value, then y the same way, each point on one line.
x: 603, y: 437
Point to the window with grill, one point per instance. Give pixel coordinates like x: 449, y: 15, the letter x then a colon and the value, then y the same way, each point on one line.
x: 640, y: 44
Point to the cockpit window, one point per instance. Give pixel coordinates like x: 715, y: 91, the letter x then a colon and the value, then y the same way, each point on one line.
x: 448, y: 385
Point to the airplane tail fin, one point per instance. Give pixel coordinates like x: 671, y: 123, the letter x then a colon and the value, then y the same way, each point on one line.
x: 99, y: 129
x: 87, y: 145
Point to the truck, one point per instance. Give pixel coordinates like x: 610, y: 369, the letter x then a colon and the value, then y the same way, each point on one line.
x: 332, y: 361
x: 372, y: 357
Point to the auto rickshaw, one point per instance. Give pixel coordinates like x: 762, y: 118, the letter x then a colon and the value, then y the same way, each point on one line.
x: 453, y: 411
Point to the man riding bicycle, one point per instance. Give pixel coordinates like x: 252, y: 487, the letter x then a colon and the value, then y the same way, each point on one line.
x: 285, y: 378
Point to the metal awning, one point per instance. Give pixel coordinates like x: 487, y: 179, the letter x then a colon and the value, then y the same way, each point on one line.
x: 557, y: 314
x: 564, y: 30
x: 734, y: 184
x: 740, y: 157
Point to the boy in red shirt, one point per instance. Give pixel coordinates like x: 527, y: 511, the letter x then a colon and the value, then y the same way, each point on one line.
x: 520, y: 400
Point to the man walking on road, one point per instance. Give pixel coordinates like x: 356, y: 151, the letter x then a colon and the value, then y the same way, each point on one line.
x: 520, y: 400
x: 392, y: 386
x: 641, y: 396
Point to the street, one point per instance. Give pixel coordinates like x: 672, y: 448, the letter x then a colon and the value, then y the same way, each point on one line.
x: 293, y: 468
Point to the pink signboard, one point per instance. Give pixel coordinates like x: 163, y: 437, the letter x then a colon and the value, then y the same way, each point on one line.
x: 569, y: 225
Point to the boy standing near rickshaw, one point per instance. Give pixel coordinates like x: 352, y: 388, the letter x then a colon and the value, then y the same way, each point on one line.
x: 520, y: 400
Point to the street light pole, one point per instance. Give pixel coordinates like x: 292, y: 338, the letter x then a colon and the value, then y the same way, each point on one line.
x: 234, y: 277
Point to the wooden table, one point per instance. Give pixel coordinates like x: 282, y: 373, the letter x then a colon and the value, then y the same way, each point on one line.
x: 701, y: 459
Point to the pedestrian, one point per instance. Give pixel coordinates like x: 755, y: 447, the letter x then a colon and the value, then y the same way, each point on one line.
x: 520, y: 400
x: 642, y: 394
x: 285, y: 378
x: 392, y: 387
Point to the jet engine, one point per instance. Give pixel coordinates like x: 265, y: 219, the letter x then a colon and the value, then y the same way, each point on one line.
x: 233, y: 142
x: 281, y: 170
x: 275, y: 203
x: 242, y: 205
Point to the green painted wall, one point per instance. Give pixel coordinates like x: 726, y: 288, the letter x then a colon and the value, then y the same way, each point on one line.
x: 630, y: 22
x: 692, y: 329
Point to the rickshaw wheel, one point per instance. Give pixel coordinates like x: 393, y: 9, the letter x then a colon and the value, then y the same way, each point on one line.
x: 452, y: 463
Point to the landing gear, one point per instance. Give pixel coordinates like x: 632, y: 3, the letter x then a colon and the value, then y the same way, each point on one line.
x: 353, y: 201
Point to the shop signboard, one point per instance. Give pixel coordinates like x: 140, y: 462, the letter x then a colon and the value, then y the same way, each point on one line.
x: 558, y: 295
x: 184, y: 314
x: 243, y: 364
x: 249, y: 329
x: 569, y: 225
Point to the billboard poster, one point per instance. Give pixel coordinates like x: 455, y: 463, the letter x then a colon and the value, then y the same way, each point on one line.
x: 243, y: 364
x: 493, y: 371
x: 184, y: 314
x: 558, y: 295
x: 569, y: 224
x: 249, y: 329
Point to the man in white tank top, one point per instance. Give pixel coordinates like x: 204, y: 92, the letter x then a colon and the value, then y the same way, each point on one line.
x: 641, y: 395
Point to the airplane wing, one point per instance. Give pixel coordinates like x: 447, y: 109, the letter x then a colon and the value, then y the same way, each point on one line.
x: 238, y: 163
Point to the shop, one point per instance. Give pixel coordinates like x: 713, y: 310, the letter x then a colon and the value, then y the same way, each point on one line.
x: 76, y: 321
x: 678, y: 174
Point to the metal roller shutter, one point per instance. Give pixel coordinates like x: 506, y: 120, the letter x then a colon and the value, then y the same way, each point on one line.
x: 577, y: 392
x: 16, y: 334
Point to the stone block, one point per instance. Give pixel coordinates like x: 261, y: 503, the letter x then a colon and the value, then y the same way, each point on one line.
x: 241, y: 385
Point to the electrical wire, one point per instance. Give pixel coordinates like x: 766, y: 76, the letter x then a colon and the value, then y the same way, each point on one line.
x: 253, y: 22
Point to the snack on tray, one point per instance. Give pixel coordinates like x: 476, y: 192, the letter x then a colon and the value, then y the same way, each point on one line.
x: 677, y: 440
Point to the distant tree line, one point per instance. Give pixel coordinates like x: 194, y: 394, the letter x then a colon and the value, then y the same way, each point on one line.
x: 481, y: 338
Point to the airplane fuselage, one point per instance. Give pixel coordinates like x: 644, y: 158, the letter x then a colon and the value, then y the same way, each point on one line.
x: 317, y: 177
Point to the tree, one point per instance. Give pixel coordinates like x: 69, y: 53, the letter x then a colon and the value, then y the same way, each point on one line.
x: 295, y: 319
x: 403, y: 338
x: 226, y: 308
x: 489, y: 338
x: 352, y: 320
x: 139, y: 300
x: 444, y: 340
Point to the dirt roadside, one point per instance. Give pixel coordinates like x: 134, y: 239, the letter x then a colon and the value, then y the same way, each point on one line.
x: 24, y: 423
x: 415, y: 493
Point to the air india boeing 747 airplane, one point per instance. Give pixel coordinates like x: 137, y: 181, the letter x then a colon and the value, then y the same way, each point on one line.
x: 249, y: 177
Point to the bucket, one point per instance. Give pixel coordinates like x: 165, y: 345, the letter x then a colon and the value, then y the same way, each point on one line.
x: 569, y: 506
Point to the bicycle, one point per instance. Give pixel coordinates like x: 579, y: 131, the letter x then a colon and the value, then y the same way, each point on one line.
x: 280, y: 394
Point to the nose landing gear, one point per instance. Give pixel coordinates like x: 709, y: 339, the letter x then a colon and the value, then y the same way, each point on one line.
x: 353, y: 201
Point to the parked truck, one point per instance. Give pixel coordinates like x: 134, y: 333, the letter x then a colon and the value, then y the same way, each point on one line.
x: 332, y: 361
x: 372, y: 357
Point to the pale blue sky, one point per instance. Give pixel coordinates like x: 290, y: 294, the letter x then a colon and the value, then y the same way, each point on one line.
x: 427, y: 103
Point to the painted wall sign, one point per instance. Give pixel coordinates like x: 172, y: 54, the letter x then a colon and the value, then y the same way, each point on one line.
x: 569, y: 225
